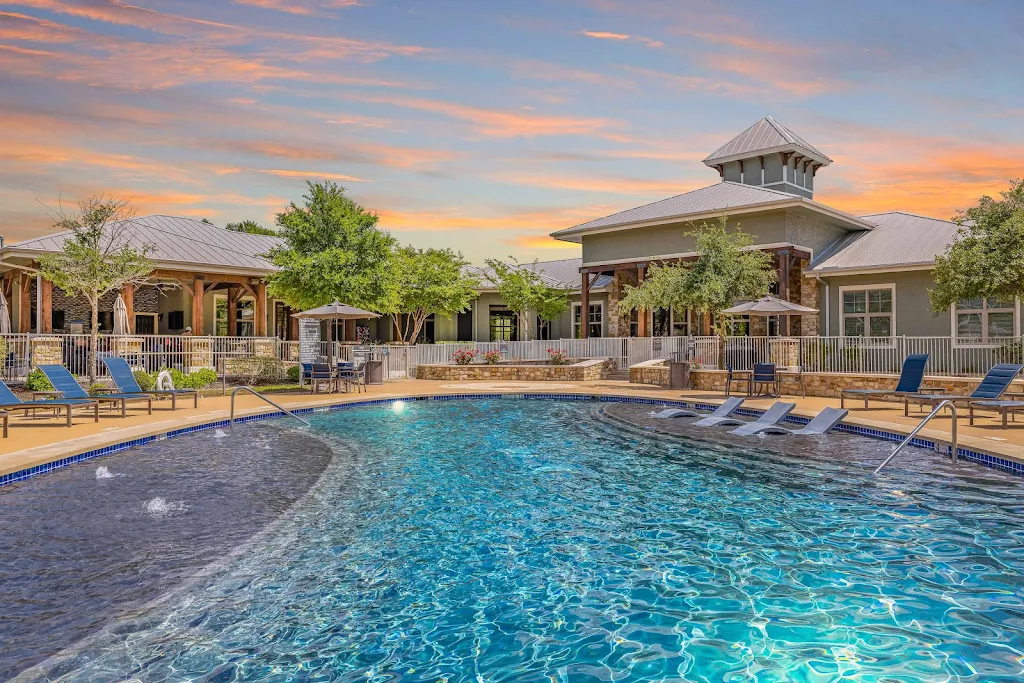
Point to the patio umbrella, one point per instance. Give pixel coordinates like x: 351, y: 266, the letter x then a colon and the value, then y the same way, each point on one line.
x: 5, y: 315
x: 120, y: 317
x: 332, y: 312
x: 770, y: 305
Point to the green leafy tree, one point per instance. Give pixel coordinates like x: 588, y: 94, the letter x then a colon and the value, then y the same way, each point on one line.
x: 987, y: 258
x: 251, y: 227
x: 422, y: 282
x: 726, y: 269
x: 99, y: 255
x: 333, y: 251
x: 525, y: 291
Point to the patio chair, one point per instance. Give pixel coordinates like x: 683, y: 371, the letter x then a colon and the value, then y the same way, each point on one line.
x: 910, y: 382
x: 6, y: 418
x: 991, y: 388
x: 353, y: 375
x: 822, y: 423
x: 723, y: 410
x: 764, y: 376
x: 794, y: 375
x: 126, y: 383
x: 730, y: 378
x: 8, y: 401
x: 1004, y: 408
x: 65, y: 384
x: 318, y: 374
x: 769, y: 418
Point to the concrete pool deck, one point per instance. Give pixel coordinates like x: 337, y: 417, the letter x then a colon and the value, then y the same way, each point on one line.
x: 37, y: 441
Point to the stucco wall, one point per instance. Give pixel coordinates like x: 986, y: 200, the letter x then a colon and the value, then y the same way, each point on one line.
x: 913, y: 310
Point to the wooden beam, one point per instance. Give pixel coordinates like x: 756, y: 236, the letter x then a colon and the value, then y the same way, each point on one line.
x: 261, y: 309
x: 584, y: 306
x: 197, y: 307
x: 186, y: 275
x: 128, y: 294
x: 24, y: 303
x: 46, y: 314
x: 232, y: 311
x: 187, y: 287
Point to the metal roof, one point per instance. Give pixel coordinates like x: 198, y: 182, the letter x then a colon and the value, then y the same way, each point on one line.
x: 560, y: 273
x: 720, y: 197
x: 899, y: 239
x: 184, y: 241
x: 766, y: 134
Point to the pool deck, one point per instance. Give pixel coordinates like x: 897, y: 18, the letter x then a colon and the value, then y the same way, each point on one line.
x: 37, y: 441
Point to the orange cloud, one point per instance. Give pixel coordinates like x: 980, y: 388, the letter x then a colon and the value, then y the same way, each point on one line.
x: 541, y: 242
x: 500, y: 123
x: 313, y: 175
x: 535, y: 220
x: 366, y: 153
x: 605, y: 185
x: 608, y: 35
x: 300, y: 7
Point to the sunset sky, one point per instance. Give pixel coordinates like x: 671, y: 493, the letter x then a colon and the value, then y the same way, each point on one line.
x: 486, y: 124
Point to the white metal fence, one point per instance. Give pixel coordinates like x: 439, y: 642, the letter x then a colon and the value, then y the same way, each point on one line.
x: 946, y: 356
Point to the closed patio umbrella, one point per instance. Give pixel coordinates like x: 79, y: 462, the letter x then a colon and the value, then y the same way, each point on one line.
x: 335, y: 311
x: 120, y: 317
x: 770, y: 305
x: 5, y: 315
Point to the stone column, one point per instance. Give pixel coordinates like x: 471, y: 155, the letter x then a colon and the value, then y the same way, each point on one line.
x: 810, y: 295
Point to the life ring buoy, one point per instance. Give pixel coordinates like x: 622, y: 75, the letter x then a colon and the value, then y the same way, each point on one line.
x: 164, y: 381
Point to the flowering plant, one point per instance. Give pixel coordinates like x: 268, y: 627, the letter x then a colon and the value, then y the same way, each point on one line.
x: 558, y: 356
x: 464, y: 356
x: 491, y: 357
x: 695, y: 363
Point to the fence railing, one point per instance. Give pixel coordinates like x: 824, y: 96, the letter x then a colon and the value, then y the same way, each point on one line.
x: 946, y: 356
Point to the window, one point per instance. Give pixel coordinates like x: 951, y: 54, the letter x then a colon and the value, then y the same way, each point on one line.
x: 680, y: 323
x: 594, y: 316
x: 661, y: 322
x: 738, y: 326
x: 503, y: 325
x: 57, y: 320
x: 983, y: 319
x: 245, y: 316
x: 868, y: 311
x: 634, y: 323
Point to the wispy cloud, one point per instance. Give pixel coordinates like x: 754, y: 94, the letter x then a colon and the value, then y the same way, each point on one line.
x: 622, y: 37
x: 301, y: 7
x: 314, y: 175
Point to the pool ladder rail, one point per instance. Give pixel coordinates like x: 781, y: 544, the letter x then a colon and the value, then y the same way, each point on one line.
x: 259, y: 395
x: 918, y: 428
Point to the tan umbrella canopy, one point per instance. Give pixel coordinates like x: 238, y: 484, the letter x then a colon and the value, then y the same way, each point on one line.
x: 335, y: 311
x: 121, y: 317
x: 770, y: 305
x: 5, y: 315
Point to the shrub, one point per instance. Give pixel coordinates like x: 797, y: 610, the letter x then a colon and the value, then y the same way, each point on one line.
x: 1010, y: 352
x: 36, y: 381
x: 256, y: 369
x: 464, y: 356
x: 202, y: 378
x: 558, y: 356
x: 146, y: 381
x: 293, y: 373
x: 491, y: 357
x: 96, y: 388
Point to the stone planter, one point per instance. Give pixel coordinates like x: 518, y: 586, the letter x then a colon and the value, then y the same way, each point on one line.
x: 47, y: 351
x: 785, y: 352
x: 198, y: 353
x: 585, y: 370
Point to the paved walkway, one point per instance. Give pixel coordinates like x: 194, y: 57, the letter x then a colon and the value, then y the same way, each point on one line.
x: 36, y: 441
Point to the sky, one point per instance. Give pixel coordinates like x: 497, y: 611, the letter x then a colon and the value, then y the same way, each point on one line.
x: 484, y: 125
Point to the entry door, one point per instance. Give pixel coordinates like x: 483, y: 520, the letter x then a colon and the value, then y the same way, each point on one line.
x: 465, y: 326
x: 144, y: 324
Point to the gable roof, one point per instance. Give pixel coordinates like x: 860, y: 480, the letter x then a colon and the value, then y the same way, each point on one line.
x: 717, y: 198
x: 899, y: 239
x: 179, y: 241
x: 765, y: 135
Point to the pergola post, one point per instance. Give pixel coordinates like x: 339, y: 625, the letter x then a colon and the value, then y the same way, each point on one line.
x: 585, y: 307
x: 232, y: 311
x: 197, y: 306
x: 128, y: 294
x: 46, y: 306
x: 25, y: 303
x: 261, y: 309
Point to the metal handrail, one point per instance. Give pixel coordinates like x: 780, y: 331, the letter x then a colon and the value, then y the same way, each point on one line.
x: 259, y: 395
x: 944, y: 404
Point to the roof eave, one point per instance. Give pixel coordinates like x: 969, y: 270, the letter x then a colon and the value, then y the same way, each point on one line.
x: 868, y: 270
x: 712, y: 161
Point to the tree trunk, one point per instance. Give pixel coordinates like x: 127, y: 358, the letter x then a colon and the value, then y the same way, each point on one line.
x: 722, y: 338
x: 94, y: 339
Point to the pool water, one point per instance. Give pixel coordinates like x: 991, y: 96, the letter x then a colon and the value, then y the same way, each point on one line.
x: 506, y: 540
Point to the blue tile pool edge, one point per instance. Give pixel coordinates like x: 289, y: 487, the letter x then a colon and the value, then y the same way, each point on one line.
x: 978, y: 457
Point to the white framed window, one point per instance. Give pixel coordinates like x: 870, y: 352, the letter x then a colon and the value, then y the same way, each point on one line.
x: 868, y: 310
x: 595, y: 320
x: 245, y: 316
x: 984, y: 320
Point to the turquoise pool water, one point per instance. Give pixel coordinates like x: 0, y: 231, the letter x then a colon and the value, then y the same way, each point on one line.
x: 507, y: 540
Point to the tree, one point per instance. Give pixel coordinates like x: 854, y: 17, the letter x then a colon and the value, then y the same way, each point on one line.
x: 333, y: 251
x: 987, y: 257
x: 726, y: 269
x: 422, y: 282
x: 99, y: 255
x: 251, y: 227
x: 524, y: 290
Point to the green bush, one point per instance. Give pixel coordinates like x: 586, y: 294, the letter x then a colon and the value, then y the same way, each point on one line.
x: 146, y: 381
x: 36, y: 381
x: 293, y: 373
x: 257, y: 369
x: 201, y: 378
x: 96, y: 388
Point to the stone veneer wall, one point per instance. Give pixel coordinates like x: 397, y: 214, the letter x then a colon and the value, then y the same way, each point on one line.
x: 650, y: 372
x: 617, y: 327
x: 810, y: 296
x: 147, y: 300
x: 592, y: 369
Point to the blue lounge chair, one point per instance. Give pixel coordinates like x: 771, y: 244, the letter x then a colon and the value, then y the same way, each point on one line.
x: 65, y: 383
x: 724, y: 410
x: 769, y: 418
x: 991, y: 388
x: 910, y: 381
x: 823, y: 423
x: 126, y: 383
x: 9, y: 401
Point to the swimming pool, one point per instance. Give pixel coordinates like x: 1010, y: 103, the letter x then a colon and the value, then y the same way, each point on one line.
x: 533, y: 540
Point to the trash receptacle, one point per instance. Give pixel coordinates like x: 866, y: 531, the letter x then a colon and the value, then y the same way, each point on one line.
x: 374, y: 371
x: 678, y: 375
